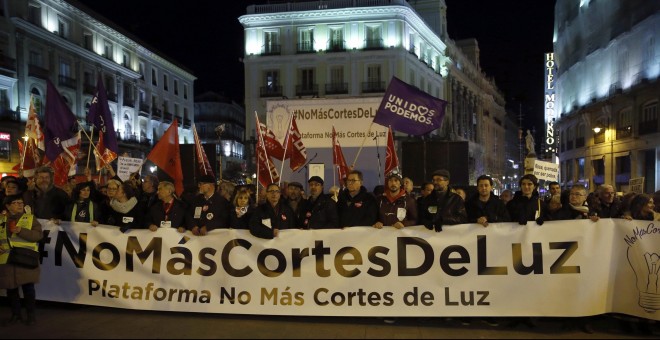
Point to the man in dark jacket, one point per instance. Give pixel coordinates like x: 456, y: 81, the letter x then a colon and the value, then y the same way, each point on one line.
x: 319, y: 211
x: 395, y: 207
x: 169, y: 212
x: 49, y: 201
x: 608, y: 205
x: 576, y: 208
x: 442, y: 207
x: 356, y: 206
x: 272, y: 216
x: 526, y: 204
x: 485, y: 207
x: 209, y: 209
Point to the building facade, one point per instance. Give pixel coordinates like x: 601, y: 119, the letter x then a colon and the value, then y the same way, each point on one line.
x: 348, y: 49
x: 70, y: 45
x: 608, y: 92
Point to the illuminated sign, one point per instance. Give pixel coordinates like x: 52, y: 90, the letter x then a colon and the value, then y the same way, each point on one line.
x: 550, y: 112
x: 5, y: 136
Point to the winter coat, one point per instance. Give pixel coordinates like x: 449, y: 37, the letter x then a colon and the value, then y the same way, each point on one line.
x: 319, y: 214
x: 281, y: 217
x: 358, y: 211
x: 11, y: 276
x: 523, y: 209
x: 494, y: 209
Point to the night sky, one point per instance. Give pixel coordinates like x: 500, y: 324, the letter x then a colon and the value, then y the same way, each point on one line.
x: 205, y: 37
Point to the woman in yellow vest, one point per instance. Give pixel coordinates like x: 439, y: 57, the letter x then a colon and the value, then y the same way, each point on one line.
x: 22, y: 230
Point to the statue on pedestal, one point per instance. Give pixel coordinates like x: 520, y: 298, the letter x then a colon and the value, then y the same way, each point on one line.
x: 529, y: 143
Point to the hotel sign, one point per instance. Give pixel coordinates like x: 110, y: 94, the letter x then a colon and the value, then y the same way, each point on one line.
x: 550, y: 111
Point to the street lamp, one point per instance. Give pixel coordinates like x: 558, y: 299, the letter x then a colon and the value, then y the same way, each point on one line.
x: 597, y: 129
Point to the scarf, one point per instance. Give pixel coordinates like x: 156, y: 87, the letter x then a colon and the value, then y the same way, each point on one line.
x: 582, y: 208
x: 392, y: 199
x: 123, y: 207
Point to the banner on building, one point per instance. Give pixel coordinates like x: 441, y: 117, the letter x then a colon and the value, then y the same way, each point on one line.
x: 563, y: 268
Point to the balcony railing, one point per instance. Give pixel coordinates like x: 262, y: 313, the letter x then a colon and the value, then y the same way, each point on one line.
x: 156, y: 114
x: 112, y: 96
x: 130, y: 102
x: 373, y: 44
x: 167, y: 118
x: 271, y: 49
x: 66, y: 81
x: 307, y: 90
x: 187, y: 123
x: 37, y: 71
x: 337, y: 46
x: 306, y: 47
x: 373, y: 86
x: 270, y: 91
x: 648, y: 127
x: 145, y: 108
x: 336, y: 88
x: 7, y: 62
x: 7, y: 114
x: 623, y: 131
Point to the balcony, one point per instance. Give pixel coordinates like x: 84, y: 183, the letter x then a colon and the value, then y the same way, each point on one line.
x: 187, y: 123
x: 156, y: 114
x: 336, y: 88
x: 373, y: 44
x: 307, y: 90
x: 7, y: 63
x: 37, y: 72
x: 112, y: 96
x: 624, y: 131
x: 271, y: 49
x: 167, y: 119
x: 305, y: 47
x: 144, y: 110
x: 648, y: 127
x: 133, y: 139
x: 10, y: 115
x: 66, y: 81
x: 270, y: 91
x: 336, y: 46
x: 89, y: 89
x: 130, y: 102
x: 373, y: 87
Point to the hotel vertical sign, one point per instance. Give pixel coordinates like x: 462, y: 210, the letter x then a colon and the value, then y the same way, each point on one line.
x: 550, y: 112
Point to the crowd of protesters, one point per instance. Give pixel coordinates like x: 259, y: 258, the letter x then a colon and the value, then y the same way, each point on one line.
x: 144, y: 202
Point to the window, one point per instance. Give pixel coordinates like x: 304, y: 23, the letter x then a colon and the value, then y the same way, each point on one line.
x: 5, y: 147
x: 580, y: 168
x: 4, y: 100
x: 141, y: 70
x: 411, y: 44
x: 271, y: 86
x: 624, y: 123
x: 176, y: 87
x: 570, y: 138
x: 649, y: 119
x: 306, y: 40
x: 176, y: 110
x: 65, y: 67
x: 185, y: 91
x: 34, y: 14
x: 107, y: 49
x: 570, y: 171
x: 35, y: 58
x: 579, y: 140
x: 373, y: 37
x: 154, y: 77
x: 271, y: 43
x: 272, y: 79
x: 165, y: 82
x: 306, y: 85
x: 337, y: 84
x: 126, y: 59
x: 88, y: 41
x: 336, y: 39
x: 62, y: 27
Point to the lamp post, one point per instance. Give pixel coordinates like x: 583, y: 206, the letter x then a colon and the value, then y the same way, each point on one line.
x: 597, y: 129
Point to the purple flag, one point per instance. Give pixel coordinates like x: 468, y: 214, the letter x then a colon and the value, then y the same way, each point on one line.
x: 99, y: 115
x: 409, y: 110
x: 61, y: 124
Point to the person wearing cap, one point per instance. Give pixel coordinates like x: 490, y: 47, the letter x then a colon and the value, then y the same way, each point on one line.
x: 295, y: 200
x: 526, y: 204
x: 208, y: 210
x: 356, y: 206
x: 272, y: 216
x: 396, y: 207
x: 485, y: 207
x: 319, y: 210
x: 442, y: 207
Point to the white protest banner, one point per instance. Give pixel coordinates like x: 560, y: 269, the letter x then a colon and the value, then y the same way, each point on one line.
x: 351, y: 118
x: 563, y: 268
x: 128, y: 165
x: 546, y: 170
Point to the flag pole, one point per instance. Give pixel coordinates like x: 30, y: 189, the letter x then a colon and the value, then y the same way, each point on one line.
x: 88, y: 137
x: 27, y: 142
x: 286, y: 145
x: 361, y: 146
x: 89, y: 150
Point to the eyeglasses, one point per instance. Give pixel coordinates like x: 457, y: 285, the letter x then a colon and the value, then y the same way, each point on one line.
x: 18, y: 202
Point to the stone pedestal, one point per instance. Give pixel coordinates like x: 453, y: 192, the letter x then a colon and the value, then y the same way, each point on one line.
x: 529, y: 163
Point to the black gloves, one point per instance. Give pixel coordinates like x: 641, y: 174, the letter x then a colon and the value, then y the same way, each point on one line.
x: 540, y: 221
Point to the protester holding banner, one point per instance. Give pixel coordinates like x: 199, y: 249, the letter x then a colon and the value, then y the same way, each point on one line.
x: 526, y: 204
x: 241, y: 210
x: 356, y: 207
x: 642, y: 207
x: 18, y: 229
x: 272, y: 216
x: 82, y: 208
x: 485, y: 207
x: 295, y: 201
x: 607, y: 204
x: 170, y: 212
x: 209, y: 210
x: 126, y: 212
x: 442, y: 207
x: 319, y: 210
x: 148, y: 195
x: 49, y: 201
x: 396, y: 207
x: 576, y: 207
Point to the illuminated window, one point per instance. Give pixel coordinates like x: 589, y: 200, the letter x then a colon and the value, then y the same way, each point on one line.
x: 107, y: 49
x: 374, y: 37
x: 271, y: 43
x: 305, y: 40
x: 337, y: 42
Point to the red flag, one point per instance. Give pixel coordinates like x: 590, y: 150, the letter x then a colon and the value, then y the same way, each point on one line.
x: 102, y: 154
x: 166, y: 155
x: 203, y: 164
x: 64, y: 165
x: 295, y: 149
x: 273, y: 147
x: 266, y: 173
x: 33, y: 129
x: 338, y: 157
x: 30, y: 157
x: 391, y: 159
